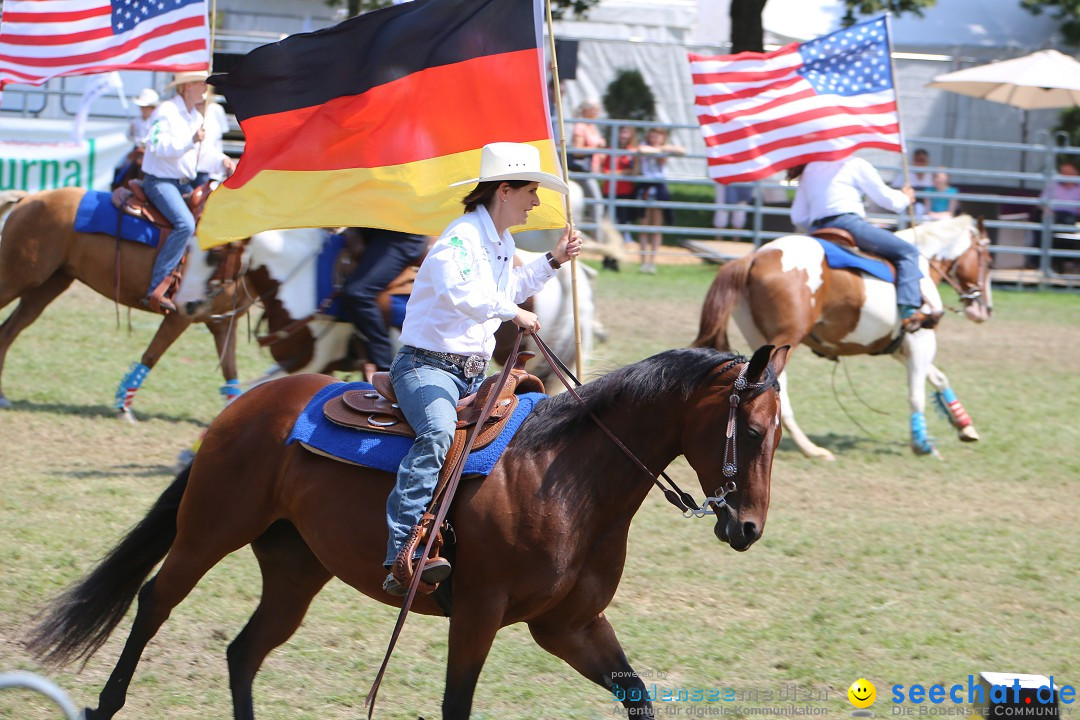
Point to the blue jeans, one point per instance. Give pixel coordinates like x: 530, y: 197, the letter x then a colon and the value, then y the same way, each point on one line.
x: 882, y: 242
x: 428, y: 390
x: 386, y: 254
x: 167, y: 196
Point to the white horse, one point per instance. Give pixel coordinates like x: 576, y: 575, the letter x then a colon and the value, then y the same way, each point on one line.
x: 784, y: 293
x: 282, y: 273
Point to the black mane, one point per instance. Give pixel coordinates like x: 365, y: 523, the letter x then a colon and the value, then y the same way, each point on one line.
x: 671, y: 372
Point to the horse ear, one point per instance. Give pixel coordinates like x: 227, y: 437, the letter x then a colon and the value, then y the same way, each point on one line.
x: 758, y: 363
x: 981, y: 224
x: 779, y: 359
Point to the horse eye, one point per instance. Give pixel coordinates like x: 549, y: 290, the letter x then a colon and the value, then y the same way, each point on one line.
x: 753, y: 434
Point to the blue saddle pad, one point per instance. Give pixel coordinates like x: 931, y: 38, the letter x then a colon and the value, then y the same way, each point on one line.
x: 382, y: 451
x: 97, y: 214
x: 324, y: 284
x: 840, y: 258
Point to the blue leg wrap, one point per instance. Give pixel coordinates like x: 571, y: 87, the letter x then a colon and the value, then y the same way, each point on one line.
x: 231, y: 390
x: 125, y: 393
x: 921, y: 442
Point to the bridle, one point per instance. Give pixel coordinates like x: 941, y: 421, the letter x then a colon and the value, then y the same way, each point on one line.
x: 674, y: 494
x: 947, y: 271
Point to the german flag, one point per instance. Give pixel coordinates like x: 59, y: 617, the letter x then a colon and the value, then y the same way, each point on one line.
x: 367, y: 123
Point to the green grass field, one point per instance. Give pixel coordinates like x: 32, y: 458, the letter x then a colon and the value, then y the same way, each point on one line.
x: 881, y: 565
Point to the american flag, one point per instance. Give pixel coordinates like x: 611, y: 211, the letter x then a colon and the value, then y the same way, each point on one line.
x: 43, y: 39
x: 818, y: 100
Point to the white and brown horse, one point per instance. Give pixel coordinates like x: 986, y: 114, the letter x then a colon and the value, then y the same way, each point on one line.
x: 282, y: 274
x: 784, y: 293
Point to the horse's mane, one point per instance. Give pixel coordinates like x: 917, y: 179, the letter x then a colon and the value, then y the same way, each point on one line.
x: 677, y: 372
x: 941, y: 238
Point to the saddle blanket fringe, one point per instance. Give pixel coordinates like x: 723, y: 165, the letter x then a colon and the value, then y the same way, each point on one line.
x: 380, y: 450
x: 97, y: 214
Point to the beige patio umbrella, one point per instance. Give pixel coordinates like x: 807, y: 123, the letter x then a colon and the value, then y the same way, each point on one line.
x: 1041, y: 80
x: 1044, y: 79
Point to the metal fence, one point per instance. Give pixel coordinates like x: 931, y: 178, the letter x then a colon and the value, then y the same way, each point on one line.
x: 1022, y: 228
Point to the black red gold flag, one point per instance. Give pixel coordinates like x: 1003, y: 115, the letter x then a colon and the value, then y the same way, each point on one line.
x: 367, y: 123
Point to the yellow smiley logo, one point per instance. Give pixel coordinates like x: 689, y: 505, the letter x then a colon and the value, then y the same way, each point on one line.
x: 862, y: 693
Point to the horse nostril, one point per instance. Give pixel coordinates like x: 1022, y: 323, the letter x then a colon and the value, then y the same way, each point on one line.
x: 750, y: 531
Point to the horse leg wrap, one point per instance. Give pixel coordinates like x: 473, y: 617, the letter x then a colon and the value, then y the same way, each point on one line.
x: 921, y: 442
x: 950, y: 405
x: 404, y: 567
x: 125, y: 392
x: 231, y: 390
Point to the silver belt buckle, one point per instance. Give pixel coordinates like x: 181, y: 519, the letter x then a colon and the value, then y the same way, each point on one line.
x: 475, y: 366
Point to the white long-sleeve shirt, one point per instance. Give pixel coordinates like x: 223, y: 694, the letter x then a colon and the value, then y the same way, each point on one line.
x: 216, y: 124
x: 467, y: 286
x: 836, y: 187
x: 170, y: 149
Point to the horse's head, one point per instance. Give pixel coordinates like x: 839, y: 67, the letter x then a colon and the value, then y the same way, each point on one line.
x: 742, y: 402
x: 959, y: 253
x: 972, y: 274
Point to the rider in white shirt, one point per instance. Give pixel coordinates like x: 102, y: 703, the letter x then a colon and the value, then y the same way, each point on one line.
x: 830, y: 195
x: 466, y: 287
x: 173, y: 148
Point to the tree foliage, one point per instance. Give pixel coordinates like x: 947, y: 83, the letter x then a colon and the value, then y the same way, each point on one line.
x: 629, y: 97
x: 747, y: 32
x: 876, y: 7
x: 1067, y: 12
x: 559, y: 8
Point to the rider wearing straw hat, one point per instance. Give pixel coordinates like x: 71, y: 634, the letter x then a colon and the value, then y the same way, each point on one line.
x: 173, y: 148
x: 467, y: 286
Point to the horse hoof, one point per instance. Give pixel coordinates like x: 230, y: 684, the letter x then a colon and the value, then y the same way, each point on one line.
x: 127, y: 415
x: 5, y: 404
x: 969, y: 434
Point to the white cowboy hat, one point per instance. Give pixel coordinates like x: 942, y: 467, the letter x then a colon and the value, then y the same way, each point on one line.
x: 147, y: 98
x: 514, y: 161
x: 188, y: 76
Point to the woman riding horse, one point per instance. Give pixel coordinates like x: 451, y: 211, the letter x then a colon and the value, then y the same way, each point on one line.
x: 466, y: 288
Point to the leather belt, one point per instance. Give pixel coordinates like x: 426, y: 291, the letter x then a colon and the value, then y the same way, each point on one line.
x: 471, y: 365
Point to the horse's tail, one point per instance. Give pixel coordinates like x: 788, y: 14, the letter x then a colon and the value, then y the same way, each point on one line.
x: 721, y: 299
x: 80, y: 620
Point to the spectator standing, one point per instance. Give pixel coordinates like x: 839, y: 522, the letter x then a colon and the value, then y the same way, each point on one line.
x: 740, y: 195
x: 653, y: 154
x: 587, y: 136
x: 624, y: 164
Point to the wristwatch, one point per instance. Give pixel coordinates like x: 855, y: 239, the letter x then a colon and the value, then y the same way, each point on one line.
x: 555, y: 264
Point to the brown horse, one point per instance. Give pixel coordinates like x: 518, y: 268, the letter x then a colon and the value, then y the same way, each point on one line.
x: 41, y: 254
x: 785, y: 293
x: 541, y: 540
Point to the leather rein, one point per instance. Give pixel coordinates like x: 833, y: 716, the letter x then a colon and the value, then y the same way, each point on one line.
x: 674, y: 495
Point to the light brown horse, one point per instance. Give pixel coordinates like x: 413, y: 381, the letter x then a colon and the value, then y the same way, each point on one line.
x: 41, y: 254
x: 541, y: 540
x: 785, y: 293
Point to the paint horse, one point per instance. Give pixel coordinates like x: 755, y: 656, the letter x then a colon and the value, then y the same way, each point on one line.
x: 785, y: 293
x: 304, y: 335
x: 41, y: 254
x: 541, y: 540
